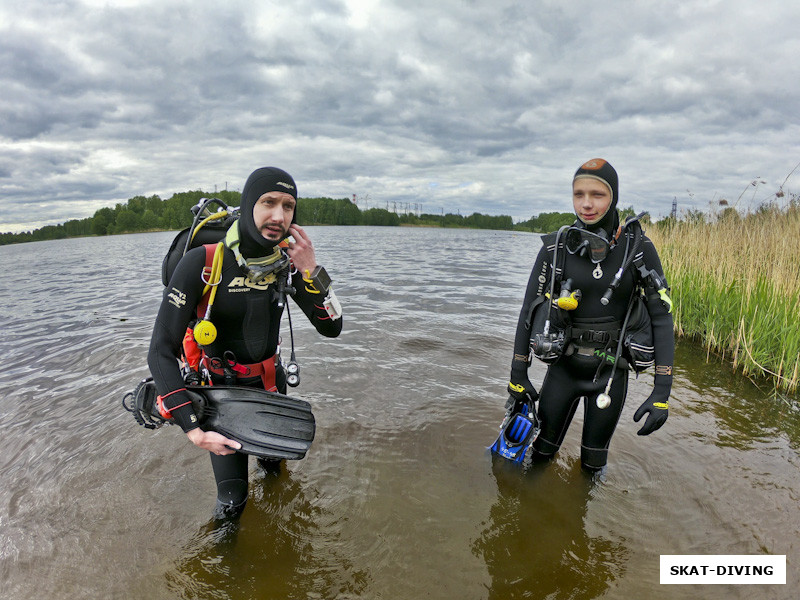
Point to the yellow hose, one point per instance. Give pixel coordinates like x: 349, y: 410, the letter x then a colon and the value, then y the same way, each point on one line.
x: 218, y: 215
x: 215, y: 276
x: 204, y: 331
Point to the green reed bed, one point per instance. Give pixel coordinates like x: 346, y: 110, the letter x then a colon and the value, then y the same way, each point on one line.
x: 736, y: 287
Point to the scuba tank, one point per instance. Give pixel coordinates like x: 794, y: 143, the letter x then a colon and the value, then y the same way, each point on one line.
x: 207, y: 228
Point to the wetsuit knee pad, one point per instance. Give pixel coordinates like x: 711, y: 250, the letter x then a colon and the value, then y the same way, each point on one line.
x: 545, y: 448
x: 594, y: 459
x: 232, y: 494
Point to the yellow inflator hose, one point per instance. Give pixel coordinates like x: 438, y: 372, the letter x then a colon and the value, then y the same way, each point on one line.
x: 204, y: 331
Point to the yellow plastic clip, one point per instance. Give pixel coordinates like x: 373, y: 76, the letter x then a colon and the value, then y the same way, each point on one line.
x: 310, y: 287
x: 665, y: 299
x: 516, y: 388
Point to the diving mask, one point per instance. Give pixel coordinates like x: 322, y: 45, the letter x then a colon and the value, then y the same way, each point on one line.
x: 596, y: 245
x: 263, y: 269
x: 266, y: 268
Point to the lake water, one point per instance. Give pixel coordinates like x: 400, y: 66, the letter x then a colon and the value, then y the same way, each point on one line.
x: 398, y: 497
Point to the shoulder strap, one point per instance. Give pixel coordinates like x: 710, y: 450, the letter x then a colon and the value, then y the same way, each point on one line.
x: 548, y: 239
x: 633, y: 227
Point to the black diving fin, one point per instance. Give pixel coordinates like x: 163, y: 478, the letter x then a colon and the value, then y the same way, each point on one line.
x: 266, y: 424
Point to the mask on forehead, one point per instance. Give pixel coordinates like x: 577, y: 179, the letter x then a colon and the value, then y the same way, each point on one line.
x: 260, y: 182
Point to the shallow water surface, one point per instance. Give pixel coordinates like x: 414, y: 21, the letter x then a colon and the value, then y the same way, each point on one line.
x: 398, y: 497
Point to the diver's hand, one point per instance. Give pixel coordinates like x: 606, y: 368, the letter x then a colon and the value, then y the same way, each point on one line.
x: 520, y: 387
x: 301, y: 250
x: 213, y: 442
x: 658, y: 408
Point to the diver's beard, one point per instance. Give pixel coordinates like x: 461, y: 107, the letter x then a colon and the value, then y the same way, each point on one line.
x: 270, y: 233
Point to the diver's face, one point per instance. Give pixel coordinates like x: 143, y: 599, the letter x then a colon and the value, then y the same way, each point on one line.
x: 273, y: 214
x: 590, y: 199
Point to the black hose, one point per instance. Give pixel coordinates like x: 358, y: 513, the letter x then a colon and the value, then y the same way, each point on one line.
x: 627, y: 260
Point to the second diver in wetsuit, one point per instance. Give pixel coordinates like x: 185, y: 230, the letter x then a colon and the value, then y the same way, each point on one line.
x: 588, y: 255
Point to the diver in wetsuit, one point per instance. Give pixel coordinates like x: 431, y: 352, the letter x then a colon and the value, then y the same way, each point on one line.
x: 583, y: 360
x: 246, y: 312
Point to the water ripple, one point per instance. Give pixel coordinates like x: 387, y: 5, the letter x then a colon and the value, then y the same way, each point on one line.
x: 397, y: 497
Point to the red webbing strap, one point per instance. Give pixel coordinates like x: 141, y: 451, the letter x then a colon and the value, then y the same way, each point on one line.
x: 265, y: 369
x: 191, y: 349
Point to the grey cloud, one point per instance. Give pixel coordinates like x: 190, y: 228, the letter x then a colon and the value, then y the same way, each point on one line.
x: 467, y: 106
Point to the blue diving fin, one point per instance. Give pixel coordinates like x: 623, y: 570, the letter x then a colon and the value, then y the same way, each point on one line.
x: 518, y: 431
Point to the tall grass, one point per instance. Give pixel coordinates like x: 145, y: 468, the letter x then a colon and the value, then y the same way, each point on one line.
x: 736, y: 286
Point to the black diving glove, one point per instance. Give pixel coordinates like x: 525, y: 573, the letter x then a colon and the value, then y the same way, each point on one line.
x: 656, y: 405
x: 520, y: 388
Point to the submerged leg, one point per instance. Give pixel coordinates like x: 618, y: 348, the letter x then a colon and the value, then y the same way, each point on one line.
x: 270, y: 465
x: 230, y: 473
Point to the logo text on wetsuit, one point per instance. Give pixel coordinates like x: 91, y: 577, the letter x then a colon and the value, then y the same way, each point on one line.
x: 176, y: 297
x: 243, y: 284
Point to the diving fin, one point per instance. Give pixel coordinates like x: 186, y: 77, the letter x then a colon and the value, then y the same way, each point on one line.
x: 266, y: 424
x: 518, y: 431
x: 142, y: 403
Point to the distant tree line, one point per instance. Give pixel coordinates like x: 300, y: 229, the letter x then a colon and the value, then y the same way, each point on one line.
x: 140, y: 213
x: 546, y: 222
x: 154, y: 214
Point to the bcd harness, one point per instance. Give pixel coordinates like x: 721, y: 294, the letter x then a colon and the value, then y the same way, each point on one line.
x: 273, y: 269
x: 203, y: 332
x: 554, y: 333
x: 217, y: 231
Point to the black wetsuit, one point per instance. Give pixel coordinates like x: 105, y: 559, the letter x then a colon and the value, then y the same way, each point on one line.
x: 581, y: 373
x: 246, y: 315
x: 247, y: 319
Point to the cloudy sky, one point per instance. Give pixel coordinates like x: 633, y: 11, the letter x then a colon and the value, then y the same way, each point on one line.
x: 454, y: 105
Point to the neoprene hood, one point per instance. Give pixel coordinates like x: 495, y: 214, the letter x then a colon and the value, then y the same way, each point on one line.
x: 601, y: 170
x: 260, y: 182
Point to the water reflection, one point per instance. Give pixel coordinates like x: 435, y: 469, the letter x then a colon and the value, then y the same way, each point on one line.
x: 747, y: 413
x: 397, y: 498
x: 274, y: 549
x: 535, y: 543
